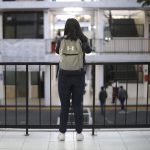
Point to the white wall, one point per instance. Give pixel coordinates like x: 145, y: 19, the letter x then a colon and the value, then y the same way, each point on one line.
x: 48, y: 4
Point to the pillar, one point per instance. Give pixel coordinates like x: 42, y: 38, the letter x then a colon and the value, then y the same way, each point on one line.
x: 146, y: 33
x: 99, y: 30
x: 99, y: 34
x: 48, y: 30
x: 46, y: 25
x: 47, y: 86
x: 48, y: 36
x: 146, y: 26
x: 29, y: 85
x: 99, y: 79
x: 145, y: 67
x: 1, y: 68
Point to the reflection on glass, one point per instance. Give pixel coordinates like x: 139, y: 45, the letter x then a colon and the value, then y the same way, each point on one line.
x: 23, y: 25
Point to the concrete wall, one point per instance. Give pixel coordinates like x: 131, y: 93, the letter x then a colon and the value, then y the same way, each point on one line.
x: 49, y: 4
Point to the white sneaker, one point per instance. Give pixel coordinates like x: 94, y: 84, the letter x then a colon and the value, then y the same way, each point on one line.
x: 79, y: 137
x: 61, y: 136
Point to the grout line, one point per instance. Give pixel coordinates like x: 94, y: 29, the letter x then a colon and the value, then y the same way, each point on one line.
x: 74, y: 141
x: 122, y: 140
x: 145, y: 136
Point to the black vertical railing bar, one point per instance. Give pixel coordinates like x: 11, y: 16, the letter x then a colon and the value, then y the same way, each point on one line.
x: 27, y: 102
x: 93, y: 115
x: 126, y: 108
x: 39, y: 95
x: 116, y: 86
x: 104, y: 115
x: 16, y: 108
x: 5, y: 97
x: 93, y: 126
x: 147, y: 103
x: 137, y: 87
x: 50, y: 105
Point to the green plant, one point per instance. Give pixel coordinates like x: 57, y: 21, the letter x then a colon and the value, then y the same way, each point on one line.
x: 144, y: 2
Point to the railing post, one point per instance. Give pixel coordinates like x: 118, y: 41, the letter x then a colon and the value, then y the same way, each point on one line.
x: 16, y: 115
x: 93, y: 80
x: 147, y: 109
x: 27, y: 95
x: 126, y: 108
x: 5, y: 97
x: 50, y: 95
x: 137, y: 91
x: 39, y: 94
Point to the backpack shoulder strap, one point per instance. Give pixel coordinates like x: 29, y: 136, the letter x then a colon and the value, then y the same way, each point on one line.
x: 62, y: 45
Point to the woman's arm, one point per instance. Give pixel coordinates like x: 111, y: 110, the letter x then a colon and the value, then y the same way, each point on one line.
x: 86, y: 47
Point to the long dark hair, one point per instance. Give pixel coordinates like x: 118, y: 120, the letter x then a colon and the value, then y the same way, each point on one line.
x: 73, y: 30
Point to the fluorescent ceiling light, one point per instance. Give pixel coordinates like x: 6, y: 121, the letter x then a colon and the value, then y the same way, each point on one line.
x: 73, y: 9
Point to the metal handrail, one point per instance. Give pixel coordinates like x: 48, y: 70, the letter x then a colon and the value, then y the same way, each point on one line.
x: 39, y: 109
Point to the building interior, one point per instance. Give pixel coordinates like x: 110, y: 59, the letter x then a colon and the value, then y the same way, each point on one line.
x: 118, y: 32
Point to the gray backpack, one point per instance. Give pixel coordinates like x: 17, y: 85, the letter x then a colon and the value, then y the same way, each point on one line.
x: 71, y: 55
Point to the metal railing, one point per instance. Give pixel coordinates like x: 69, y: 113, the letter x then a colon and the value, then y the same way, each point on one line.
x: 41, y: 112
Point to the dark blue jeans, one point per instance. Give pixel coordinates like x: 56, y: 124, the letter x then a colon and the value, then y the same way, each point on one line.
x: 102, y: 103
x: 122, y: 100
x: 71, y: 87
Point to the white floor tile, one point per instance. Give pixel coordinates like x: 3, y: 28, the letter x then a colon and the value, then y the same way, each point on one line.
x: 11, y: 144
x: 113, y: 148
x: 37, y: 145
x: 38, y: 136
x: 102, y: 140
x: 12, y: 140
x: 131, y: 135
x: 146, y: 134
x: 114, y: 144
x: 2, y: 133
x: 61, y: 145
x: 138, y: 144
x: 86, y: 145
x: 108, y: 135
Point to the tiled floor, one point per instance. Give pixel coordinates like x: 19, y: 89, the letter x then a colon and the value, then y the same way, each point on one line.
x: 103, y: 140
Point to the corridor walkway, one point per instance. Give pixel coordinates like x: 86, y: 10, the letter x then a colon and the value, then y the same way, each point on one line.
x: 128, y: 139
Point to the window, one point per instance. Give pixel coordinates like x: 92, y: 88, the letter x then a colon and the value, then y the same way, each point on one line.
x: 23, y: 25
x: 34, y: 78
x: 10, y: 77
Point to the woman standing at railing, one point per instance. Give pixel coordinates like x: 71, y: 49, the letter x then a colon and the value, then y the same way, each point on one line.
x: 71, y: 81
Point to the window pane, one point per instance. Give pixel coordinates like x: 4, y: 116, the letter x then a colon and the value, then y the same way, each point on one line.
x: 34, y: 78
x: 23, y: 25
x: 9, y: 31
x: 10, y: 77
x: 26, y: 31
